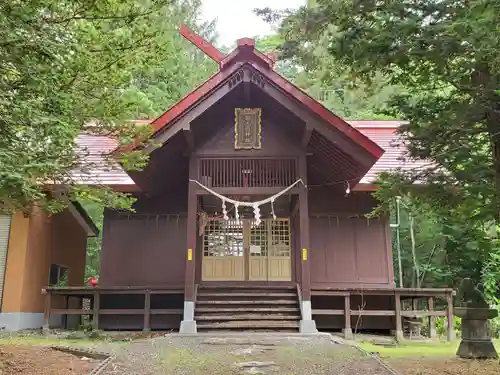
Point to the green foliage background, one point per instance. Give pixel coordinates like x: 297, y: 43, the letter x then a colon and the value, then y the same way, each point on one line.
x: 65, y: 65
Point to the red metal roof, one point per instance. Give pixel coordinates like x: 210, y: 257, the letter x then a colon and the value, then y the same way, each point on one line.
x: 383, y: 133
x: 98, y: 168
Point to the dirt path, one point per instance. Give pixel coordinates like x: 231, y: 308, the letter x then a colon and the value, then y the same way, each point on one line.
x: 235, y: 355
x: 38, y: 360
x: 444, y: 366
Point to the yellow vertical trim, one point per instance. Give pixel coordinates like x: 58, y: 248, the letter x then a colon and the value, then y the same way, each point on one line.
x: 15, y: 273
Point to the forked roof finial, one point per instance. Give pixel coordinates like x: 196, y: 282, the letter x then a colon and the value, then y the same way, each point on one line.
x: 208, y: 48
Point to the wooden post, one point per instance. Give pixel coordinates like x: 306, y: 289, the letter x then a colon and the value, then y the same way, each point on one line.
x: 347, y: 317
x: 449, y: 315
x: 399, y: 325
x: 188, y: 324
x: 95, y: 311
x: 65, y: 316
x: 46, y: 313
x: 305, y: 255
x: 147, y: 311
x: 189, y: 280
x: 432, y: 319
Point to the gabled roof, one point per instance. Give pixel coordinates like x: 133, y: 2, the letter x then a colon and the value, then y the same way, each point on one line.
x: 383, y: 133
x: 245, y: 53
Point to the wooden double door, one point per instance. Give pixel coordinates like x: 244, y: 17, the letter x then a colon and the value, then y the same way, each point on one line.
x: 239, y: 250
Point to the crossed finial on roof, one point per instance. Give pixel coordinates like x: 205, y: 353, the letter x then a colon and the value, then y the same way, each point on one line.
x: 215, y: 54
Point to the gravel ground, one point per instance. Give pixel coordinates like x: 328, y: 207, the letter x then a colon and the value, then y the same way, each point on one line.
x: 234, y: 355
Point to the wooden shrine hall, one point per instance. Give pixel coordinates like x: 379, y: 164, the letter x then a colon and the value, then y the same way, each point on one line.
x: 250, y: 215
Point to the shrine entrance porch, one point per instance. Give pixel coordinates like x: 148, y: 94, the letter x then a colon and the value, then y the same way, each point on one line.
x: 242, y: 250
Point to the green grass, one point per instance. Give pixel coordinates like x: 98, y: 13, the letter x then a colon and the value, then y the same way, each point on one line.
x: 191, y: 362
x: 417, y: 349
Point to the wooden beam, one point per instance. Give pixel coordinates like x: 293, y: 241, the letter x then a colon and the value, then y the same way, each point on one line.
x: 248, y: 190
x: 422, y: 313
x: 373, y: 312
x: 182, y: 120
x: 347, y: 318
x: 305, y: 257
x: 96, y: 308
x: 190, y: 251
x: 71, y: 312
x: 399, y: 323
x: 333, y: 135
x: 432, y: 319
x: 306, y: 135
x: 147, y: 311
x: 206, y: 47
x: 327, y: 312
x: 294, y: 205
x: 188, y: 137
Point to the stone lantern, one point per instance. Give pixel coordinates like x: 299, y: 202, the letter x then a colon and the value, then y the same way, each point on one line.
x: 475, y: 312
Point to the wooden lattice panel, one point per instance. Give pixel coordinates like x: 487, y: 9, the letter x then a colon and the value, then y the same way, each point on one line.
x: 223, y: 238
x: 246, y: 172
x: 280, y: 238
x: 259, y: 238
x: 270, y: 251
x: 227, y: 245
x: 223, y: 250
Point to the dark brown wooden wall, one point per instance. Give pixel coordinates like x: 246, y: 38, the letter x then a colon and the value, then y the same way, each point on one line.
x: 275, y: 142
x: 146, y: 248
x: 349, y: 250
x: 346, y: 247
x: 149, y: 247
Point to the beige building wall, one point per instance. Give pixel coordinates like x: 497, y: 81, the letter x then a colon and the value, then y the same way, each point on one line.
x: 35, y: 243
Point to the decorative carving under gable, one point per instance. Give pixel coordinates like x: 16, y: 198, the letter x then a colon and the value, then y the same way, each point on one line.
x: 257, y: 79
x: 247, y: 128
x: 236, y: 78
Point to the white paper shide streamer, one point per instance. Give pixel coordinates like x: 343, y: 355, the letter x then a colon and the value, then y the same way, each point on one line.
x: 254, y: 205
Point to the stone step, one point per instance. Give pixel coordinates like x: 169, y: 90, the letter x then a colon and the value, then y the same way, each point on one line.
x: 246, y: 317
x: 247, y: 294
x: 247, y: 302
x: 245, y: 286
x: 247, y: 309
x: 249, y: 324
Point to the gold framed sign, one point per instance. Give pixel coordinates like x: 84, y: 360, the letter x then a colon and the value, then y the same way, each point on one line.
x: 247, y: 128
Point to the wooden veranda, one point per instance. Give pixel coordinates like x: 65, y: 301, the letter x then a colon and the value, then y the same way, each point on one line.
x: 422, y: 303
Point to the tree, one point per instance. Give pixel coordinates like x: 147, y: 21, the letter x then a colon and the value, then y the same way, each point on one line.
x: 312, y: 67
x: 68, y: 67
x: 448, y: 60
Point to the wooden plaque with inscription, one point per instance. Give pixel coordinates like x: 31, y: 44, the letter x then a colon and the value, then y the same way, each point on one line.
x: 247, y: 128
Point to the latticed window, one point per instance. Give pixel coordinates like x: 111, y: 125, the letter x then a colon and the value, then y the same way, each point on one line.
x: 280, y: 238
x: 223, y: 238
x: 259, y: 237
x: 229, y: 237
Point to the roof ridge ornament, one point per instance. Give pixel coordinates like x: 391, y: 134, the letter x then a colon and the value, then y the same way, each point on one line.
x: 203, y: 45
x: 243, y: 45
